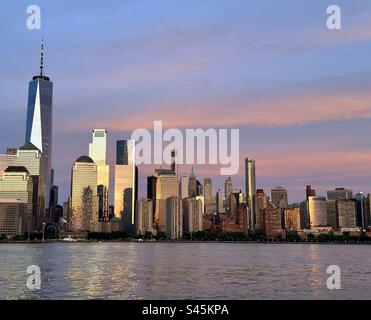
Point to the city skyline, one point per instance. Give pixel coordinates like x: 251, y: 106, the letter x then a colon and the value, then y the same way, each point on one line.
x: 309, y: 128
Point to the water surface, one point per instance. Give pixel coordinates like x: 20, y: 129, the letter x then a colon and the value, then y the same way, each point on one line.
x: 184, y: 271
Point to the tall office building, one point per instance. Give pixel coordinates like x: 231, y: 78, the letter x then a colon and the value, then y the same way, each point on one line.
x: 167, y: 186
x: 144, y: 218
x: 98, y: 152
x: 339, y: 193
x: 346, y: 213
x: 173, y: 161
x: 310, y: 192
x: 39, y: 122
x: 11, y: 217
x: 193, y: 215
x: 279, y: 197
x: 16, y: 185
x: 317, y: 212
x: 228, y: 187
x: 208, y: 191
x: 151, y: 193
x: 84, y: 199
x: 362, y: 210
x: 174, y: 217
x: 126, y: 183
x: 30, y: 157
x: 183, y: 187
x: 220, y: 208
x: 250, y: 188
x: 192, y: 184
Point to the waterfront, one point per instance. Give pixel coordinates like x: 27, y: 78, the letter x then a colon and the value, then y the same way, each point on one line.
x: 184, y: 271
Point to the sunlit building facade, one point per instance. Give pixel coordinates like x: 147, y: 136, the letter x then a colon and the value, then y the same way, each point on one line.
x: 98, y: 152
x: 166, y: 186
x: 317, y: 212
x: 126, y: 181
x: 84, y: 199
x: 174, y: 217
x: 193, y: 215
x: 16, y: 186
x: 144, y: 218
x: 250, y: 188
x: 39, y: 123
x: 11, y: 217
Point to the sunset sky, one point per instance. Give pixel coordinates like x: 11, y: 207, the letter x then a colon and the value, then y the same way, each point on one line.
x: 299, y: 93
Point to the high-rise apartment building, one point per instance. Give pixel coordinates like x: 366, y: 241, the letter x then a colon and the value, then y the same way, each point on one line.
x: 261, y: 201
x: 250, y: 188
x: 292, y: 218
x: 144, y: 219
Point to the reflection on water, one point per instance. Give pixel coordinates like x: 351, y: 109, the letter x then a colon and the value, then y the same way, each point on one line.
x: 184, y: 271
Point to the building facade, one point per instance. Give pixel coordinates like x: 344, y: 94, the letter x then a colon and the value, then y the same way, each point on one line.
x: 84, y: 200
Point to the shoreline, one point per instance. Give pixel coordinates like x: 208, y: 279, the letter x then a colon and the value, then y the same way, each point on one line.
x: 189, y: 242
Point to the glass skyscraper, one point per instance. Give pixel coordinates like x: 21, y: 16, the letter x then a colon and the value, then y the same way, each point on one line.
x: 126, y: 182
x: 39, y: 122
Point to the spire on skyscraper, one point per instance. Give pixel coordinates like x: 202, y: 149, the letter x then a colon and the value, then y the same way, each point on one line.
x: 42, y: 58
x: 193, y: 175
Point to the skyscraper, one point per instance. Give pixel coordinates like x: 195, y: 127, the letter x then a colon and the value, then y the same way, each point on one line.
x: 279, y: 197
x: 167, y: 186
x: 30, y: 157
x: 261, y: 201
x: 126, y: 182
x: 317, y: 211
x: 250, y: 186
x: 339, y: 193
x: 39, y: 122
x: 220, y: 208
x: 228, y: 187
x: 151, y: 193
x: 84, y: 199
x: 310, y: 192
x: 174, y: 217
x: 11, y: 217
x: 144, y: 219
x: 184, y: 190
x: 192, y: 213
x: 16, y: 185
x: 192, y: 184
x: 98, y: 152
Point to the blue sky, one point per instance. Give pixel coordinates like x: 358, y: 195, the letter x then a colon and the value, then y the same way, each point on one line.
x: 298, y: 92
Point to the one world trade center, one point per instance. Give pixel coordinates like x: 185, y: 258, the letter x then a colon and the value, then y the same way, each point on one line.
x: 39, y: 122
